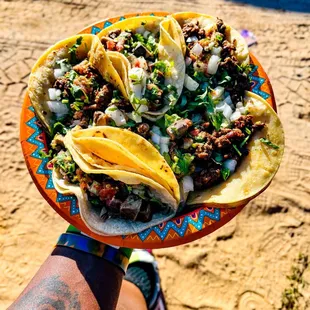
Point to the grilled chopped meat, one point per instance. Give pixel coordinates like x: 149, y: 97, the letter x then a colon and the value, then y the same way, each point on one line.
x: 179, y: 128
x: 62, y: 84
x: 207, y: 178
x: 130, y: 208
x: 104, y: 95
x: 114, y: 33
x: 204, y: 151
x: 220, y: 26
x: 225, y: 140
x: 193, y: 29
x: 144, y: 130
x: 145, y: 214
x: 114, y: 205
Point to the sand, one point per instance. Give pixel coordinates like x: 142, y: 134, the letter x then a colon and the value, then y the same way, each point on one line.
x: 241, y: 266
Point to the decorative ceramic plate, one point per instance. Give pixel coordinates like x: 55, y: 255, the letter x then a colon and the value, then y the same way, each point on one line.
x: 179, y: 230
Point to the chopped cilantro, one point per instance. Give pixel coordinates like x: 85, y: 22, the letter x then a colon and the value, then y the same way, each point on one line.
x: 72, y: 50
x: 167, y: 158
x: 78, y: 93
x: 58, y: 128
x: 182, y: 163
x: 216, y: 120
x: 130, y: 123
x: 72, y: 75
x: 248, y: 131
x: 44, y: 155
x: 245, y: 141
x: 225, y: 172
x: 170, y: 119
x: 139, y: 37
x: 237, y: 150
x: 269, y: 143
x: 77, y: 105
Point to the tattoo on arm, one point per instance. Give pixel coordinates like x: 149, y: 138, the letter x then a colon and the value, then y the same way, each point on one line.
x: 50, y: 293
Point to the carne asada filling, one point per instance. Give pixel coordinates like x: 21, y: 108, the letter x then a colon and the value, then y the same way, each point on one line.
x: 113, y: 198
x: 147, y: 76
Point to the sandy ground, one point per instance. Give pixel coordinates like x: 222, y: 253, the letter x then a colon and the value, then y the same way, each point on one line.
x: 241, y: 266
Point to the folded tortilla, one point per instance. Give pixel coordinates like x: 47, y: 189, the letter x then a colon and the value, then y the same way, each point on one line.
x: 257, y: 169
x: 42, y: 74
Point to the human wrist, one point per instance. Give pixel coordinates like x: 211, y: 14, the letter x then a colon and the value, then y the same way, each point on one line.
x: 74, y: 239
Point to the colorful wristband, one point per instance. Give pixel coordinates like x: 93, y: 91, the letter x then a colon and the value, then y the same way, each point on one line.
x: 117, y: 256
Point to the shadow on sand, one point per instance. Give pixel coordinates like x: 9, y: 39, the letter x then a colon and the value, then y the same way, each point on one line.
x: 302, y: 6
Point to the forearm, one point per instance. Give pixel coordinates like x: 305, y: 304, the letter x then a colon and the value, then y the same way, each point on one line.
x: 70, y: 279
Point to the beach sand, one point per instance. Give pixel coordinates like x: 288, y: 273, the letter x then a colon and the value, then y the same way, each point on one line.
x: 241, y: 266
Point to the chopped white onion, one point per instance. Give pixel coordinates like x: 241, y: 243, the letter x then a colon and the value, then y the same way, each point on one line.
x: 136, y: 74
x: 227, y: 112
x: 58, y: 94
x: 217, y: 92
x: 141, y: 63
x: 235, y: 116
x: 188, y: 184
x: 213, y: 64
x: 239, y: 105
x: 164, y: 148
x: 52, y: 93
x: 188, y: 61
x: 146, y: 34
x: 242, y: 110
x: 137, y: 90
x: 117, y: 115
x: 156, y: 138
x: 190, y: 84
x: 165, y: 140
x: 228, y: 100
x: 140, y: 30
x: 211, y: 45
x: 58, y: 73
x: 192, y: 39
x: 142, y: 108
x: 220, y: 107
x: 197, y: 49
x: 216, y: 51
x: 230, y: 164
x: 156, y: 129
x: 58, y: 107
x: 135, y: 116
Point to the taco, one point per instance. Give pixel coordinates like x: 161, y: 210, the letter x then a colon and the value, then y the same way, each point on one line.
x: 73, y: 82
x: 112, y: 202
x: 254, y: 172
x: 95, y: 144
x: 153, y: 60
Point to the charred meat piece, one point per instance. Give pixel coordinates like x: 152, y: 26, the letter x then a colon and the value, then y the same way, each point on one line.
x: 141, y: 50
x: 143, y: 130
x: 243, y: 121
x: 179, y: 128
x: 204, y: 151
x: 220, y: 26
x: 113, y: 205
x: 228, y: 49
x: 62, y: 83
x: 114, y: 33
x: 145, y: 214
x: 207, y: 178
x: 104, y: 95
x: 153, y: 92
x: 130, y: 208
x: 228, y: 137
x: 193, y: 29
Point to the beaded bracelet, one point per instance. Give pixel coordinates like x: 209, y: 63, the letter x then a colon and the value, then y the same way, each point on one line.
x: 74, y: 239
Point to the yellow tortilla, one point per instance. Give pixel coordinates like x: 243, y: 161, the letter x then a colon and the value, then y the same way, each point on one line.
x: 257, y: 169
x: 42, y: 74
x: 169, y: 49
x: 207, y: 22
x: 113, y: 226
x: 111, y: 144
